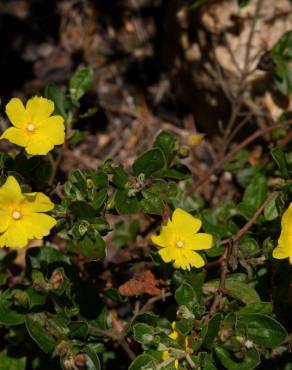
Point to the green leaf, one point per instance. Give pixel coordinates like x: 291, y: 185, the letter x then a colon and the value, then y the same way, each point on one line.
x: 209, y: 366
x: 78, y: 329
x: 120, y: 177
x: 184, y: 326
x: 43, y: 173
x: 280, y: 158
x: 8, y: 316
x: 186, y: 296
x: 250, y: 361
x: 54, y: 93
x: 7, y: 362
x: 100, y: 179
x: 82, y: 210
x: 35, y: 299
x: 249, y: 247
x: 126, y: 205
x: 177, y: 172
x: 91, y: 249
x: 114, y: 295
x: 77, y: 185
x: 245, y: 175
x: 92, y: 362
x: 259, y: 307
x: 151, y: 203
x: 46, y: 330
x: 212, y: 330
x: 149, y: 162
x: 143, y: 333
x: 236, y: 288
x: 254, y: 195
x: 80, y: 82
x: 193, y: 278
x: 144, y: 362
x: 271, y: 210
x: 167, y: 142
x: 263, y: 330
x: 99, y: 199
x: 282, y: 57
x: 242, y: 292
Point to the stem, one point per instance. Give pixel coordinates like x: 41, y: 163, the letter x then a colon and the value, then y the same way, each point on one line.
x: 259, y: 133
x: 223, y: 260
x: 238, y: 101
x: 55, y: 164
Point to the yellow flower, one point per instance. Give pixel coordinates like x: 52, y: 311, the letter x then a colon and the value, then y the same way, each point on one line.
x: 180, y: 238
x: 21, y: 217
x: 284, y: 247
x: 183, y: 341
x: 33, y: 128
x: 196, y: 139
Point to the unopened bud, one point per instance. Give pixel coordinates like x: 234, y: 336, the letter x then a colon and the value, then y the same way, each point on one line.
x: 20, y: 298
x: 184, y: 151
x: 89, y: 183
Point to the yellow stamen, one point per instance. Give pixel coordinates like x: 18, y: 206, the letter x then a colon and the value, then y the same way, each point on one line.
x: 16, y: 215
x: 180, y: 244
x: 30, y: 127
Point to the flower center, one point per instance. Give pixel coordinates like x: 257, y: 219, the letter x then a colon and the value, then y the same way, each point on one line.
x: 16, y: 215
x: 30, y: 127
x: 180, y: 244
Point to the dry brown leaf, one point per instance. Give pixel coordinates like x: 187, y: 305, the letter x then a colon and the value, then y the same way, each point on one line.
x: 141, y: 284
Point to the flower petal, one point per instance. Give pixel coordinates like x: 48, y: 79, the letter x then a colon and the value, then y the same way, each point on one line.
x: 158, y: 240
x: 281, y: 253
x: 184, y: 223
x: 39, y: 109
x: 168, y: 254
x: 37, y: 225
x: 189, y: 259
x: 15, y: 236
x: 199, y: 241
x: 39, y: 145
x: 167, y: 236
x: 54, y: 128
x: 165, y: 355
x: 16, y: 136
x: 16, y: 113
x: 193, y: 258
x: 10, y: 193
x: 181, y: 262
x: 36, y: 202
x: 5, y: 220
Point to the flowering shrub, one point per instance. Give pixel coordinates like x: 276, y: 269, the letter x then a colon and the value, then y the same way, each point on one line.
x: 70, y: 307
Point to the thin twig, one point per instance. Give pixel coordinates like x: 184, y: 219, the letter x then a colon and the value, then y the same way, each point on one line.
x: 123, y: 343
x: 231, y: 154
x: 250, y: 222
x: 55, y: 164
x: 251, y: 35
x: 152, y: 300
x: 223, y: 260
x: 238, y: 101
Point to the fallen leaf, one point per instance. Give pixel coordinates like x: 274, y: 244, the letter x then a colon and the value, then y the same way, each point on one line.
x: 141, y: 284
